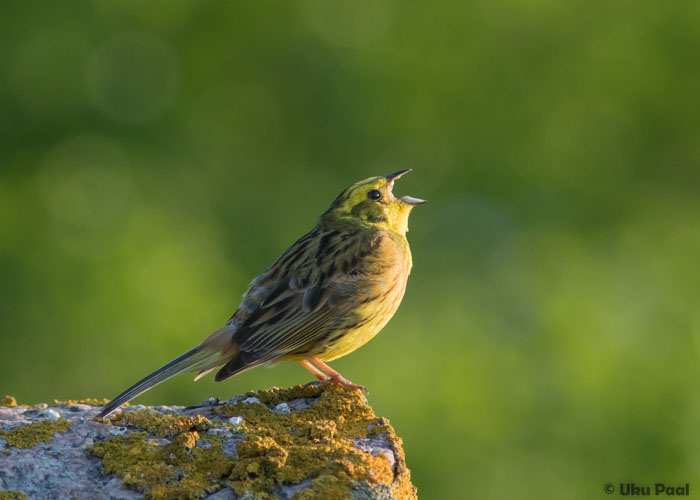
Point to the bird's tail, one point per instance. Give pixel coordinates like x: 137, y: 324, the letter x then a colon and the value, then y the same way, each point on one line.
x: 215, y: 351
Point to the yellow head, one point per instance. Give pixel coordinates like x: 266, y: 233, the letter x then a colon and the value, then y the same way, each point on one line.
x: 371, y: 203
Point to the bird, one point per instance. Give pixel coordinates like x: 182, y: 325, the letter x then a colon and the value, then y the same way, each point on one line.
x: 328, y: 294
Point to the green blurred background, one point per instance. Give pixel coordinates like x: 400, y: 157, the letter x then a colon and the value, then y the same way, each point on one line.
x: 155, y: 156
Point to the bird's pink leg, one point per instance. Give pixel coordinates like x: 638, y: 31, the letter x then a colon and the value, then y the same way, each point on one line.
x: 317, y: 373
x: 332, y: 376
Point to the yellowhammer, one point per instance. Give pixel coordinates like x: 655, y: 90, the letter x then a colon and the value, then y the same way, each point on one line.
x: 328, y: 294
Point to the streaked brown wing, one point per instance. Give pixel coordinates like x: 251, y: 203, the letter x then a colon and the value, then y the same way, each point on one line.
x: 307, y: 293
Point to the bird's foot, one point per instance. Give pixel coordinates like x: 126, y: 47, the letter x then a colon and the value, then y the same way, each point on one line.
x: 343, y: 382
x: 327, y: 375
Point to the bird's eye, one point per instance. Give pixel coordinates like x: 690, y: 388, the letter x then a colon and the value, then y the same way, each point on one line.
x: 374, y: 195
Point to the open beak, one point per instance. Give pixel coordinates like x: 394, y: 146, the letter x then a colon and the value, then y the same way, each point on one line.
x: 396, y: 175
x: 410, y: 200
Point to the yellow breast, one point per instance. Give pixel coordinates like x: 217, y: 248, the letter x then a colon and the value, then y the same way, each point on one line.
x: 387, y: 286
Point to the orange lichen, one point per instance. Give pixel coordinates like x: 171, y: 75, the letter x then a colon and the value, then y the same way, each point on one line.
x: 8, y: 400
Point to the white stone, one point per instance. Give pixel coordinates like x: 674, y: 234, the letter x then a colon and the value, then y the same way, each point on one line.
x: 235, y: 421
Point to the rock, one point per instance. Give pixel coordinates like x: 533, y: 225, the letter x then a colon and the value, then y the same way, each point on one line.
x: 235, y: 421
x: 283, y: 408
x: 305, y: 442
x: 51, y: 414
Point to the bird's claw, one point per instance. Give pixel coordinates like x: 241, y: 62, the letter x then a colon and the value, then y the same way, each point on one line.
x: 340, y: 381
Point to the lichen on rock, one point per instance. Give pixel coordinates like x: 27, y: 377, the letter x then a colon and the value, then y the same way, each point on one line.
x: 8, y: 401
x: 84, y: 401
x: 319, y: 446
x: 160, y: 424
x: 317, y: 442
x: 27, y: 436
x: 301, y: 443
x: 178, y: 469
x: 12, y: 495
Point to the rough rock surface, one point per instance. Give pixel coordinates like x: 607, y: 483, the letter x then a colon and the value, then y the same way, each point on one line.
x: 300, y: 443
